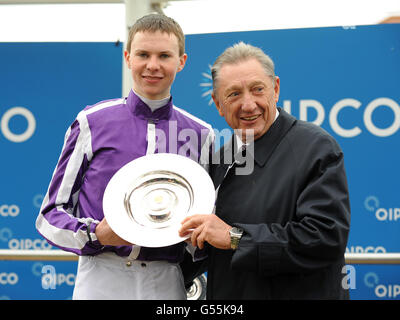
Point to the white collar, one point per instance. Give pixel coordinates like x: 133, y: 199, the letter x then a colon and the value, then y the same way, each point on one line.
x: 153, y: 104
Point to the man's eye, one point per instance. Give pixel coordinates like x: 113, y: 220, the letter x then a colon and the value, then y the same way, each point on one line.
x: 164, y: 55
x: 259, y: 89
x: 233, y: 94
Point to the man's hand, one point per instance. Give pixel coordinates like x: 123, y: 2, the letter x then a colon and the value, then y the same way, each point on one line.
x: 206, y: 227
x: 107, y: 236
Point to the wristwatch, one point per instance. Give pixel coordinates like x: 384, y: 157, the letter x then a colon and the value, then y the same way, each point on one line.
x: 236, y: 235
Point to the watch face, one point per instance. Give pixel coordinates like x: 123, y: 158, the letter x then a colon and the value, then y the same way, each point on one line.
x: 236, y: 231
x: 236, y: 234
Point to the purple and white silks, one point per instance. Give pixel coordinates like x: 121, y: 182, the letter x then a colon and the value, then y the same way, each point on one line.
x: 103, y: 138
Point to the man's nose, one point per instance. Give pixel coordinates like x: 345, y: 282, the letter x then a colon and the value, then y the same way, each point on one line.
x: 153, y: 63
x: 248, y: 104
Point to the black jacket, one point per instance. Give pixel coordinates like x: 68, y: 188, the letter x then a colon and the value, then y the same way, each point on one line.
x: 295, y: 212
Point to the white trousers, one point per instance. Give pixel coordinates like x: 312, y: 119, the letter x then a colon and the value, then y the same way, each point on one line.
x: 110, y: 277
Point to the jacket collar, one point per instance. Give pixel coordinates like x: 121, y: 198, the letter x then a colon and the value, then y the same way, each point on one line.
x: 142, y: 110
x: 265, y: 146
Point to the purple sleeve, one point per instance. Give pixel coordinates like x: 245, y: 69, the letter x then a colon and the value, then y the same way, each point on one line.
x: 58, y: 220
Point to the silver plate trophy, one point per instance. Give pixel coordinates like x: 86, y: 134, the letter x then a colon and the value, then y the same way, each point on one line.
x: 147, y: 199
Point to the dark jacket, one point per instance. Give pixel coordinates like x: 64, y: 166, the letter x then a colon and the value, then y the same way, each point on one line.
x: 295, y: 212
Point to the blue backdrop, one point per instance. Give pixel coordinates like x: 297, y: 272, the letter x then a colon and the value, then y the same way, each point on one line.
x: 345, y: 79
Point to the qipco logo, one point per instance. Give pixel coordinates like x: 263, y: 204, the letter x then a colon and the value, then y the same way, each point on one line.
x: 11, y: 210
x: 383, y: 291
x: 9, y: 132
x: 8, y: 278
x: 51, y: 279
x: 367, y: 115
x: 371, y: 203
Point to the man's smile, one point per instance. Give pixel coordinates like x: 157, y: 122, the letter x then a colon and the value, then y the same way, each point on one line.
x: 152, y: 79
x: 250, y: 118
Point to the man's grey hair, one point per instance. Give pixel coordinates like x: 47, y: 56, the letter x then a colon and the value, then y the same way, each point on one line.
x: 240, y: 52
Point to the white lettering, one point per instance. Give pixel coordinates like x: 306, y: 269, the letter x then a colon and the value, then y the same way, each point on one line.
x: 8, y: 278
x: 49, y: 277
x: 349, y: 280
x: 334, y: 115
x: 184, y: 311
x: 370, y: 126
x: 368, y: 249
x: 305, y: 104
x: 9, y: 210
x: 68, y: 279
x: 188, y: 149
x: 391, y: 214
x: 389, y: 291
x: 26, y: 244
x: 4, y: 124
x: 287, y: 106
x: 368, y: 117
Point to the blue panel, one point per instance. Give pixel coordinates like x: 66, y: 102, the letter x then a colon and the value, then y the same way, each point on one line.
x: 52, y: 82
x: 345, y: 79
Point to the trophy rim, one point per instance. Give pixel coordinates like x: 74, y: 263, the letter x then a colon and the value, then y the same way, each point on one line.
x: 123, y: 182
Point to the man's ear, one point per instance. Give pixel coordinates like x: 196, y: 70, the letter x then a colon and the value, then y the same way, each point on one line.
x: 127, y: 57
x: 182, y: 62
x: 277, y: 89
x: 217, y: 104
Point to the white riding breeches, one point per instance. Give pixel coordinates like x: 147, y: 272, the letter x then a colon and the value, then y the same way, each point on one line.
x: 109, y: 277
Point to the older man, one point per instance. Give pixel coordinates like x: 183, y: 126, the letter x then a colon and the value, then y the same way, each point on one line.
x: 280, y: 231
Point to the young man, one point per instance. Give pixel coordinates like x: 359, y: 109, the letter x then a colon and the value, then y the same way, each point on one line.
x: 103, y: 138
